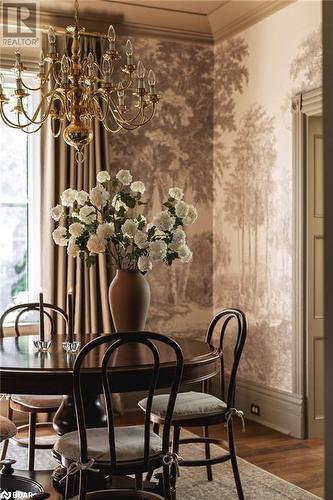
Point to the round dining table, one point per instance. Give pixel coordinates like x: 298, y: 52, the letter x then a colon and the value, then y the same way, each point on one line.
x: 24, y: 370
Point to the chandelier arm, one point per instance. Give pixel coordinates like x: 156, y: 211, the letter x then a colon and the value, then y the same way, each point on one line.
x: 129, y: 121
x: 137, y: 125
x: 99, y: 114
x: 6, y: 120
x: 12, y: 124
x: 30, y: 131
x: 45, y: 79
x: 113, y: 131
x: 56, y: 76
x: 47, y: 112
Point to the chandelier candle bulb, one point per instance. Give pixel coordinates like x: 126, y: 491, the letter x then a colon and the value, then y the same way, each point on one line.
x: 41, y: 317
x: 151, y: 81
x: 112, y: 37
x: 41, y: 63
x: 2, y: 81
x: 141, y: 75
x: 121, y: 94
x: 52, y: 40
x: 129, y: 53
x: 70, y: 316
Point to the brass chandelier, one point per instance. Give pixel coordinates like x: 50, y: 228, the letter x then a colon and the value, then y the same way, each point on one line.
x: 77, y: 90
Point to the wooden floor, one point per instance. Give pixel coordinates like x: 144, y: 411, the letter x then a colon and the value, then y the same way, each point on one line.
x: 298, y: 461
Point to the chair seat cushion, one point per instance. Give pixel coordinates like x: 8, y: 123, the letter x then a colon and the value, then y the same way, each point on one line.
x: 188, y: 405
x: 129, y: 444
x: 7, y: 429
x: 35, y: 401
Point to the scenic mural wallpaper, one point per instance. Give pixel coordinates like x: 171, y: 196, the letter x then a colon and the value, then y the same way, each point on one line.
x: 223, y: 132
x: 253, y: 196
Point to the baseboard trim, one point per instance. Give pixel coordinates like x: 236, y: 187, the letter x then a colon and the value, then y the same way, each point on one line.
x: 279, y: 410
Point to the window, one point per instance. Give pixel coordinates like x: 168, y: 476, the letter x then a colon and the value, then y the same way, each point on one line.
x: 19, y: 211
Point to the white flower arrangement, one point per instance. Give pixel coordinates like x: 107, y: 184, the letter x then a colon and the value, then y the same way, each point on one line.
x: 109, y: 219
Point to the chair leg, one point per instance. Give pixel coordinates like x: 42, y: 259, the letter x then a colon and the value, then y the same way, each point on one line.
x: 138, y: 482
x: 207, y: 455
x: 6, y: 443
x: 69, y: 491
x: 83, y: 484
x: 156, y: 429
x: 166, y: 483
x: 233, y: 458
x: 175, y: 449
x: 32, y: 440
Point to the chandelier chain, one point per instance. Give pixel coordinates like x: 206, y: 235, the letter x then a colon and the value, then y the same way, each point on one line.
x: 76, y: 12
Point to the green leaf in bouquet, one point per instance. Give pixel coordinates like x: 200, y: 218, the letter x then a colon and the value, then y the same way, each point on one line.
x: 126, y: 198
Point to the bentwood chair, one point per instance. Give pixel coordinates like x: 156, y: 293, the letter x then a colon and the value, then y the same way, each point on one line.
x: 34, y: 435
x: 120, y: 451
x: 194, y: 409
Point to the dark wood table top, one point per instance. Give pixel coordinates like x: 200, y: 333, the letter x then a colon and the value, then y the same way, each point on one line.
x: 24, y: 370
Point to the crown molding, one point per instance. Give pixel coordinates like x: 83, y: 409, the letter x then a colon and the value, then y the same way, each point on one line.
x: 266, y: 9
x: 200, y: 33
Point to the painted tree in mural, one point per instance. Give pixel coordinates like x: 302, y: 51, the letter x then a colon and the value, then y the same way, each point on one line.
x: 176, y: 147
x: 306, y: 67
x: 247, y: 197
x: 231, y: 76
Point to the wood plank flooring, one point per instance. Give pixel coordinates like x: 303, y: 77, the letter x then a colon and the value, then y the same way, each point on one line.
x: 298, y: 461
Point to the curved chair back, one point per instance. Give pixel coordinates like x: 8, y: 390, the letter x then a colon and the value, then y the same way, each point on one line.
x: 32, y: 306
x: 222, y: 320
x: 115, y: 341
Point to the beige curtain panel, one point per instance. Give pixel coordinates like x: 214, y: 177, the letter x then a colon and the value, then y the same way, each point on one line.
x: 60, y: 272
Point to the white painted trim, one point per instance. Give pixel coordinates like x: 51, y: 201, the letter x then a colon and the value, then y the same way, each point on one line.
x: 305, y: 104
x: 279, y: 410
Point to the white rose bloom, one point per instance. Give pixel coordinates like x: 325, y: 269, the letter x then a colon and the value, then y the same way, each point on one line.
x: 125, y: 177
x: 181, y: 209
x: 118, y: 204
x: 57, y: 212
x: 105, y: 230
x: 103, y: 176
x: 138, y: 187
x: 157, y: 250
x: 178, y: 239
x: 73, y: 249
x: 164, y: 221
x: 176, y: 193
x: 96, y: 244
x: 59, y: 236
x: 76, y: 229
x: 68, y: 197
x: 87, y: 214
x: 129, y: 228
x: 82, y: 197
x: 185, y: 254
x: 144, y: 264
x: 179, y: 236
x: 140, y: 239
x: 191, y: 216
x: 99, y: 196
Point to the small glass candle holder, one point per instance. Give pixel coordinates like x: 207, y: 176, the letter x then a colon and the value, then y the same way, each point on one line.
x: 42, y: 345
x: 71, y: 347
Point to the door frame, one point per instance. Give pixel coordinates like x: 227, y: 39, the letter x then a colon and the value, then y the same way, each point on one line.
x: 304, y: 105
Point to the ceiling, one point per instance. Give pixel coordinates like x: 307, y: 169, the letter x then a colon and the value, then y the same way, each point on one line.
x: 200, y: 20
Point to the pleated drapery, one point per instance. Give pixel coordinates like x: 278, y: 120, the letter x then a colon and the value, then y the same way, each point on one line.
x: 60, y: 272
